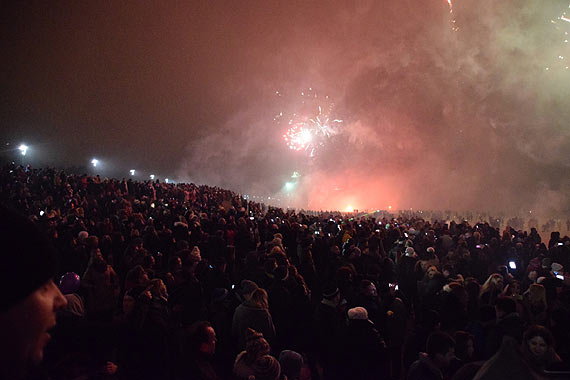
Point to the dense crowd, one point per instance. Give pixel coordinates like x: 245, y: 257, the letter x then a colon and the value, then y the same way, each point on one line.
x: 178, y: 281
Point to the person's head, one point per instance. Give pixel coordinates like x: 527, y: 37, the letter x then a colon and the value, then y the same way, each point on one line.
x: 537, y: 294
x: 368, y: 288
x: 256, y: 346
x: 504, y: 306
x: 31, y: 299
x: 441, y: 349
x: 291, y: 363
x: 246, y: 288
x: 464, y: 345
x: 266, y: 368
x: 538, y: 339
x: 259, y: 298
x: 202, y: 338
x: 431, y: 272
x: 494, y: 283
x: 331, y: 294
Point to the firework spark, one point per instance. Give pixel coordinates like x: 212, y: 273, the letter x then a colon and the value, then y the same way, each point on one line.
x: 312, y: 126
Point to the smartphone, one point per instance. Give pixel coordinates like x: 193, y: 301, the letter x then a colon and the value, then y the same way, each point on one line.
x: 377, y: 230
x: 560, y: 243
x: 42, y: 213
x: 512, y: 265
x: 233, y: 286
x: 406, y: 234
x: 251, y: 218
x: 317, y: 233
x: 560, y: 277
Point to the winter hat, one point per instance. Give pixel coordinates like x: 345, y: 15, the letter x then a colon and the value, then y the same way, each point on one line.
x: 291, y: 363
x: 358, y: 313
x: 267, y: 368
x: 247, y: 287
x: 330, y: 291
x: 28, y: 259
x: 556, y: 267
x: 410, y: 252
x: 83, y: 235
x: 255, y: 343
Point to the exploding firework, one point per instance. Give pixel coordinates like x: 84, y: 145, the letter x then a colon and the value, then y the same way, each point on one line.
x: 300, y: 138
x: 312, y: 125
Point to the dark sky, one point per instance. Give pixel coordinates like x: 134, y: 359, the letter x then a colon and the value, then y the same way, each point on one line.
x: 433, y: 117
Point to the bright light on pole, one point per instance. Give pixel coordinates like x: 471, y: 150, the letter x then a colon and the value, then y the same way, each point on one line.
x: 166, y: 180
x: 23, y: 149
x: 132, y: 171
x: 94, y: 162
x: 152, y: 177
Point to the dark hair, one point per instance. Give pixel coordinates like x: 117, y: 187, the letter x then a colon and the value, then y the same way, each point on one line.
x: 197, y: 334
x: 541, y: 331
x: 461, y: 339
x: 439, y: 343
x: 506, y: 304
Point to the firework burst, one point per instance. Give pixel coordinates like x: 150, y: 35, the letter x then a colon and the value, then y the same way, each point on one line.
x: 312, y: 125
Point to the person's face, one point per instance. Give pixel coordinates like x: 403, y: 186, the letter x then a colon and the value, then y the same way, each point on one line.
x: 515, y: 288
x: 470, y: 348
x: 27, y: 324
x: 537, y: 346
x: 532, y: 275
x: 498, y: 282
x: 445, y: 360
x: 431, y: 272
x: 371, y: 290
x: 209, y: 347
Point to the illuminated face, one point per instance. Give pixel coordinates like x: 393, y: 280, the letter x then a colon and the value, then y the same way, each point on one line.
x: 537, y: 346
x: 27, y: 324
x: 209, y: 347
x: 371, y: 290
x: 432, y: 271
x: 498, y: 282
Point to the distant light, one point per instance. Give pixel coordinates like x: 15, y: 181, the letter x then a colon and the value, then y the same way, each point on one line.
x: 389, y: 207
x: 132, y: 171
x: 23, y: 149
x: 349, y: 208
x: 289, y: 186
x: 166, y: 180
x: 94, y: 162
x: 295, y: 174
x: 152, y: 176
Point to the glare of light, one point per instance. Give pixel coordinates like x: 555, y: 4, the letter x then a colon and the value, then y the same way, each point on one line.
x: 289, y: 186
x: 94, y: 162
x: 152, y: 176
x: 132, y: 171
x: 389, y: 207
x: 349, y: 208
x: 166, y: 180
x: 23, y: 149
x: 295, y: 175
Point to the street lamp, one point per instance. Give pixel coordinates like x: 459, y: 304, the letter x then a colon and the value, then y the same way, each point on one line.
x: 152, y: 177
x: 94, y: 162
x: 132, y: 171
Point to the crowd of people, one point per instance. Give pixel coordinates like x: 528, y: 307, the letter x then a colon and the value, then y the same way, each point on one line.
x: 179, y: 281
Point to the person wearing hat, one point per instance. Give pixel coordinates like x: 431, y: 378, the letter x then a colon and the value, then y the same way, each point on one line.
x: 28, y: 309
x: 255, y: 348
x: 329, y: 321
x: 364, y: 354
x: 252, y: 313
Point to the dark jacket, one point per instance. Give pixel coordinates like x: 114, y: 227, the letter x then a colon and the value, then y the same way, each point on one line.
x: 424, y: 369
x: 247, y: 315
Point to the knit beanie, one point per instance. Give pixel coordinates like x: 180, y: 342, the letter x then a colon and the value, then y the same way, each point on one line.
x: 255, y: 344
x: 28, y: 258
x: 267, y: 368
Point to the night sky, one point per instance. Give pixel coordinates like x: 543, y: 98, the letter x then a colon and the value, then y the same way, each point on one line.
x: 471, y: 114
